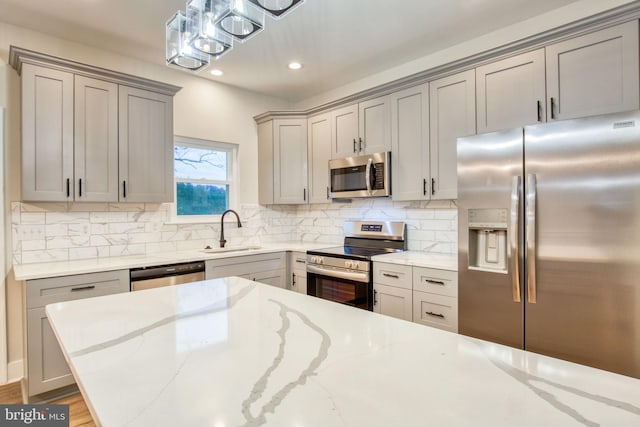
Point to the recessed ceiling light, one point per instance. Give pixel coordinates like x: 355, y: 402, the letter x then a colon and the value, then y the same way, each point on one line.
x: 294, y: 65
x: 216, y: 72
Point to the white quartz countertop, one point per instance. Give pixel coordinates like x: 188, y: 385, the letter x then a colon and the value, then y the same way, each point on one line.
x: 420, y: 259
x: 93, y: 265
x: 231, y: 352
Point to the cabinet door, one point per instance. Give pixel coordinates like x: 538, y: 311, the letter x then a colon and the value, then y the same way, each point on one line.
x: 319, y: 146
x: 96, y: 140
x: 452, y: 114
x: 435, y: 310
x: 290, y: 161
x: 145, y: 146
x: 374, y: 126
x: 344, y: 135
x: 410, y: 144
x: 275, y: 278
x: 299, y: 282
x: 594, y: 74
x: 511, y: 92
x: 391, y: 301
x: 265, y: 163
x: 47, y: 367
x: 47, y: 134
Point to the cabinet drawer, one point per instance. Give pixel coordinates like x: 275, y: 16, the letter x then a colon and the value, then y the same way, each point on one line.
x: 435, y: 310
x: 392, y: 275
x: 41, y: 292
x: 440, y: 282
x: 299, y: 262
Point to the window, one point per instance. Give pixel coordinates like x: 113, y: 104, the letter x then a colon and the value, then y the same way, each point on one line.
x: 203, y: 173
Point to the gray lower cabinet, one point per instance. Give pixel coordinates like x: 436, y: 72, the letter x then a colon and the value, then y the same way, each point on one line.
x: 298, y: 272
x: 268, y: 268
x: 46, y: 368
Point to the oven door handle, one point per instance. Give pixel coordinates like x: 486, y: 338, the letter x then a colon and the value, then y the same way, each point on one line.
x: 347, y: 275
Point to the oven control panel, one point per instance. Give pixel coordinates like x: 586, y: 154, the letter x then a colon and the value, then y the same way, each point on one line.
x: 338, y: 263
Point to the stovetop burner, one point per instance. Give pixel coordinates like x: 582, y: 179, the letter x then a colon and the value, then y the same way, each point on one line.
x: 353, y: 252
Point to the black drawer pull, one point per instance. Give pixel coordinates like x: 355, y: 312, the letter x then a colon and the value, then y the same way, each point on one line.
x: 301, y: 261
x: 393, y: 276
x: 83, y: 288
x: 435, y: 314
x: 434, y: 282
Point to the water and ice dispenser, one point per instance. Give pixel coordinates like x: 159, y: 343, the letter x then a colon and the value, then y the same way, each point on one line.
x: 488, y: 239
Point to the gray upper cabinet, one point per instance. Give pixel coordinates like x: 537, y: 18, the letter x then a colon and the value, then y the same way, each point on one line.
x: 344, y: 132
x: 96, y: 140
x: 319, y: 150
x: 90, y: 134
x: 511, y: 92
x: 290, y: 161
x: 47, y: 134
x: 452, y: 115
x: 282, y: 157
x: 410, y: 144
x: 145, y: 146
x: 594, y: 74
x: 374, y: 122
x: 361, y: 128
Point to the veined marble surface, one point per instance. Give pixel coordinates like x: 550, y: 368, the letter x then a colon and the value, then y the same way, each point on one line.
x: 94, y: 265
x: 230, y: 352
x: 420, y: 259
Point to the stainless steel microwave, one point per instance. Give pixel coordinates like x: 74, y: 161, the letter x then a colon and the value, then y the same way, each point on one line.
x: 361, y: 176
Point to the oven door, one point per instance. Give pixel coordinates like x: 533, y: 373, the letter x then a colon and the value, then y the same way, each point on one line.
x: 345, y: 287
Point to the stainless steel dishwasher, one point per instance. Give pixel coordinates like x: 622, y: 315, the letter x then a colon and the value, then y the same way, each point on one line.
x: 166, y: 275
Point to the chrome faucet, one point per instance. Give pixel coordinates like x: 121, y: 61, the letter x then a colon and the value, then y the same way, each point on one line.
x: 222, y: 240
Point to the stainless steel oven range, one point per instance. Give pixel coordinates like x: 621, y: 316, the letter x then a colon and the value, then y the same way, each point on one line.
x: 344, y: 274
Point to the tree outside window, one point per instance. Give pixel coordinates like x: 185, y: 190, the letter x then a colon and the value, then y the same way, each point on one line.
x: 203, y: 177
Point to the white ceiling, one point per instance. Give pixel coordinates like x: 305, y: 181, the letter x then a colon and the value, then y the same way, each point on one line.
x: 338, y: 41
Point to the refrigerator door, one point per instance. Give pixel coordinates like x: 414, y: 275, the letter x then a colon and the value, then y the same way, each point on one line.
x: 489, y: 255
x: 584, y: 302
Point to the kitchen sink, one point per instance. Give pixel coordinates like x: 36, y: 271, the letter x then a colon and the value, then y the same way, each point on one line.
x: 229, y: 249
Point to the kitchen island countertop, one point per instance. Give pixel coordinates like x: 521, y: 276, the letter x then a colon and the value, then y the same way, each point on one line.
x: 231, y: 352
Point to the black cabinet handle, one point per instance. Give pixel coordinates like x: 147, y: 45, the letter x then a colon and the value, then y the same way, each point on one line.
x: 553, y: 108
x: 304, y: 194
x: 375, y: 297
x: 539, y: 111
x: 124, y: 189
x: 301, y: 261
x: 68, y: 187
x: 293, y: 279
x: 83, y: 288
x: 433, y: 186
x: 434, y: 314
x: 424, y: 186
x: 393, y: 276
x: 434, y: 282
x: 80, y: 187
x: 354, y: 145
x: 360, y: 143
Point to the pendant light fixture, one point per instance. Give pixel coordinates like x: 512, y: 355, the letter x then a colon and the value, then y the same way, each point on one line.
x: 209, y: 28
x: 277, y: 8
x: 180, y: 51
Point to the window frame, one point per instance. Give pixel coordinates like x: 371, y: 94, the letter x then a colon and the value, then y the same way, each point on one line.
x: 232, y: 178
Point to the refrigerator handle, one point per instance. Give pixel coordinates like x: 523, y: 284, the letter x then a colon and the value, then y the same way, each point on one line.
x: 531, y: 238
x: 513, y: 251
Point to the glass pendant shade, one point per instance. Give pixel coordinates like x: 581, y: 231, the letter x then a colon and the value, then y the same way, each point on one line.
x: 277, y: 8
x: 180, y: 52
x: 239, y: 18
x: 201, y: 25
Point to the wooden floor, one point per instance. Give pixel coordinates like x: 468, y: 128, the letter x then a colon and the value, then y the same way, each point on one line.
x: 78, y: 413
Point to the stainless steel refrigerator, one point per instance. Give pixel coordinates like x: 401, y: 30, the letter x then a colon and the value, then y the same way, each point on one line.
x: 549, y: 239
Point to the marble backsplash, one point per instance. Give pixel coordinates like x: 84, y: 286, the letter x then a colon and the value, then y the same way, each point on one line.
x: 43, y: 232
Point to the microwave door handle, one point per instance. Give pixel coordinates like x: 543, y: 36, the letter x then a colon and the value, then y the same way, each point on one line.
x: 367, y: 175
